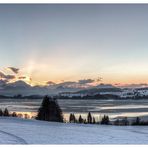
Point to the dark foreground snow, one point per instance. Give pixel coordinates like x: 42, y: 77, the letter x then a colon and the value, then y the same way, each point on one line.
x: 21, y: 131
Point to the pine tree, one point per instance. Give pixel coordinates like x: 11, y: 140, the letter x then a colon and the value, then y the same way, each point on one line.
x: 6, y: 112
x: 26, y: 116
x: 94, y: 121
x: 137, y: 121
x: 105, y: 120
x: 14, y: 114
x: 72, y: 118
x: 1, y: 112
x: 89, y: 118
x: 80, y: 119
x: 50, y: 110
x: 85, y: 122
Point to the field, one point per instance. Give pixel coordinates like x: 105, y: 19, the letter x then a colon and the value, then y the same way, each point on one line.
x: 22, y: 131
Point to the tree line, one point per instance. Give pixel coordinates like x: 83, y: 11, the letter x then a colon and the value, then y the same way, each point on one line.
x: 51, y: 111
x: 89, y: 120
x: 6, y: 113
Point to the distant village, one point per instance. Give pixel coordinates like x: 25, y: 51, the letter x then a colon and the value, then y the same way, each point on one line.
x: 121, y: 93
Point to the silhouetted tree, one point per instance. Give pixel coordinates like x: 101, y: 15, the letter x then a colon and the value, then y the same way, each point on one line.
x: 94, y: 121
x: 80, y: 119
x: 50, y: 110
x: 89, y: 118
x: 85, y: 122
x: 72, y: 118
x: 6, y: 112
x: 26, y: 116
x: 1, y: 112
x: 14, y: 114
x: 105, y: 120
x: 137, y: 121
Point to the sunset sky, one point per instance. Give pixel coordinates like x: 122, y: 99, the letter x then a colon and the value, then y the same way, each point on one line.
x: 72, y: 42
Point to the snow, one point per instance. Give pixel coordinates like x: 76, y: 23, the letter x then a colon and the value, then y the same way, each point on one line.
x: 23, y: 131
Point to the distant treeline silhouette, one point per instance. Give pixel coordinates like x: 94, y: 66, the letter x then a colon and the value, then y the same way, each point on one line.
x: 51, y: 111
x: 91, y: 96
x: 90, y: 119
x: 6, y: 113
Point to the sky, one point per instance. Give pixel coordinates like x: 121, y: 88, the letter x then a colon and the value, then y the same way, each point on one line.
x: 70, y: 42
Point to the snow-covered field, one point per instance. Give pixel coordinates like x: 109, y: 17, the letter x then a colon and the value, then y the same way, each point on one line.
x: 21, y: 131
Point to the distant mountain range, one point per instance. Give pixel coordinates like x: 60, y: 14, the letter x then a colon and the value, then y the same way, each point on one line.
x: 20, y: 87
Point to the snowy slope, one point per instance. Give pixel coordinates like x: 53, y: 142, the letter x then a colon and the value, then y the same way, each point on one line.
x: 21, y: 131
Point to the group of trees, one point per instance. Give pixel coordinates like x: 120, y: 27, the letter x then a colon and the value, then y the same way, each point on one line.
x: 90, y: 119
x: 123, y: 121
x: 73, y: 119
x: 105, y: 120
x: 50, y: 110
x: 139, y: 122
x: 6, y: 113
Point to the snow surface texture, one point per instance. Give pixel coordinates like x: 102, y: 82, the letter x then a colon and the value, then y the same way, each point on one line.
x: 21, y: 131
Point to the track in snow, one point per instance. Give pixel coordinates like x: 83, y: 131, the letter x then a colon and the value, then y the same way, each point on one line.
x: 11, y: 138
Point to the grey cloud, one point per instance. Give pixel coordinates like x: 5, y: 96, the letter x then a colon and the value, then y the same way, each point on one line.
x: 85, y: 81
x: 2, y: 75
x: 67, y: 83
x: 13, y: 69
x: 8, y: 77
x: 50, y: 83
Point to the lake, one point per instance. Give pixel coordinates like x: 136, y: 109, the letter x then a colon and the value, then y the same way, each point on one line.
x: 113, y: 108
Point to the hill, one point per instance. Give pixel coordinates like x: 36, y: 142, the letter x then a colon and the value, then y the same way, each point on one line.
x: 23, y: 131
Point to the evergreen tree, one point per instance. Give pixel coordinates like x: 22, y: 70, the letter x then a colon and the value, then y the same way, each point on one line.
x: 137, y: 121
x: 72, y: 118
x: 1, y: 112
x: 6, y: 112
x: 85, y: 122
x: 26, y: 116
x: 14, y: 114
x: 105, y: 120
x: 50, y: 110
x: 80, y: 119
x: 89, y: 118
x: 94, y: 121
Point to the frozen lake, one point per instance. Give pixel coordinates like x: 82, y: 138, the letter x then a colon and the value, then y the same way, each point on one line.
x: 113, y: 108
